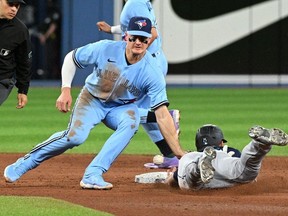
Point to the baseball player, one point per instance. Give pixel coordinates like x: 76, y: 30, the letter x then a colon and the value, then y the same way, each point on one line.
x: 144, y: 8
x: 215, y: 168
x: 124, y: 71
x: 15, y: 53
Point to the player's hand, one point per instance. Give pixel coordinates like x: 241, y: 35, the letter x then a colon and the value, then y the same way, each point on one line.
x: 103, y: 26
x: 171, y: 171
x: 64, y: 101
x: 170, y: 179
x: 225, y: 149
x: 22, y: 101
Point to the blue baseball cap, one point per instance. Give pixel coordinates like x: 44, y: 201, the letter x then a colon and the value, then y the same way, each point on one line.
x: 140, y: 26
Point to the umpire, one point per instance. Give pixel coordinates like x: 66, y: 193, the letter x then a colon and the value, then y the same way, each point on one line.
x: 15, y: 53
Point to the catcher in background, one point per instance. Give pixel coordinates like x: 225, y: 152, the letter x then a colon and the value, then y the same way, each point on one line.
x: 216, y: 167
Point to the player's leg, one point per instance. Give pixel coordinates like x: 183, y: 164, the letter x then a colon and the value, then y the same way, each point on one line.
x: 83, y: 119
x: 247, y: 168
x: 125, y: 121
x: 273, y: 136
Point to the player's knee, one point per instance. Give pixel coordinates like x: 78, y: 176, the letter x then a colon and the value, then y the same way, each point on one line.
x: 131, y: 124
x: 76, y: 139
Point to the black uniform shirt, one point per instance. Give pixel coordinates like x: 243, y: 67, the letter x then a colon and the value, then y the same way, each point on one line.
x: 15, y: 53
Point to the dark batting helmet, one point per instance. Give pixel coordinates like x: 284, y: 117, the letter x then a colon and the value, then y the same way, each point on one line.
x: 209, y: 135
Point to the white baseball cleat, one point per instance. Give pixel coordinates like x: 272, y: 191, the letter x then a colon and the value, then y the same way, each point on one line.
x: 273, y: 136
x: 205, y: 164
x: 95, y: 182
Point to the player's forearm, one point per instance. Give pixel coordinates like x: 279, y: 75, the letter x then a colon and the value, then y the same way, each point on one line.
x: 68, y: 70
x: 167, y: 128
x: 154, y: 35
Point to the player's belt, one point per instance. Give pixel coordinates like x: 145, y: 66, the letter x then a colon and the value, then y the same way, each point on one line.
x: 155, y: 54
x: 101, y: 99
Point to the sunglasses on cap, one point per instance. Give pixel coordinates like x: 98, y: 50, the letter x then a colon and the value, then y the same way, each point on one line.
x: 140, y: 38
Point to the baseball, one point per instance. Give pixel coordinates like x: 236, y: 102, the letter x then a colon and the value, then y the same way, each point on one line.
x: 158, y: 159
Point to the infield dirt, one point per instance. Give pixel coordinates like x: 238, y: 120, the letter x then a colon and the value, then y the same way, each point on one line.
x: 59, y: 178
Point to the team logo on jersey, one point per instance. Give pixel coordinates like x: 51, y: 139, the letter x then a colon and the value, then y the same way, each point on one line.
x: 141, y: 23
x: 109, y: 60
x: 4, y: 52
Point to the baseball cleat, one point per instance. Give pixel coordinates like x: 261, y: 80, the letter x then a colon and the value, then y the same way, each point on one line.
x: 176, y: 119
x: 14, y: 171
x: 273, y: 136
x: 205, y: 164
x: 96, y: 183
x: 167, y: 163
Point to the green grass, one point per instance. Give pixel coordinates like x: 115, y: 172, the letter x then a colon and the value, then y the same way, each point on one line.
x: 39, y: 206
x: 234, y: 110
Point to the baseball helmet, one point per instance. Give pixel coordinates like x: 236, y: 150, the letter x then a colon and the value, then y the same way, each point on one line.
x: 208, y: 135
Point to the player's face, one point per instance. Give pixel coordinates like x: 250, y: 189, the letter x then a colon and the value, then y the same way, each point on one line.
x: 8, y: 10
x: 137, y: 44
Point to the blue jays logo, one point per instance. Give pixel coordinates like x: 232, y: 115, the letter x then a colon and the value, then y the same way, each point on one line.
x: 141, y: 23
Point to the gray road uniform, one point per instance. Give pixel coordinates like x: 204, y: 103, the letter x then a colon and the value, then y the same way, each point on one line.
x: 230, y: 171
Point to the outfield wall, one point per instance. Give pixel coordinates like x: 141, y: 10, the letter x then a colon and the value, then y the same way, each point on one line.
x: 247, y: 38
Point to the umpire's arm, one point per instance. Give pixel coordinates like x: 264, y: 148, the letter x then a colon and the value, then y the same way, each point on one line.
x: 168, y: 130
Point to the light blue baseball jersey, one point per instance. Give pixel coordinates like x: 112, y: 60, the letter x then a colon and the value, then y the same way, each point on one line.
x: 143, y: 8
x: 115, y: 82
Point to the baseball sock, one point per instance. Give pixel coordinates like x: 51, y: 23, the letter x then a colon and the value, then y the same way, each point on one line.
x: 165, y: 148
x: 151, y: 117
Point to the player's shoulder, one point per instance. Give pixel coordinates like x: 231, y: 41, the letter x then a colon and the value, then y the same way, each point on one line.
x: 107, y: 42
x: 151, y: 61
x: 189, y: 155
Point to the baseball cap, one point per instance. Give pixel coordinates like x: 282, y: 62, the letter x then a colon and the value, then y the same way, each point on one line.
x: 16, y: 1
x: 209, y: 135
x: 140, y: 26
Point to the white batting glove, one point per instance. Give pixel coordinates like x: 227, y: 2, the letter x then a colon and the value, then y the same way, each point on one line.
x: 225, y: 149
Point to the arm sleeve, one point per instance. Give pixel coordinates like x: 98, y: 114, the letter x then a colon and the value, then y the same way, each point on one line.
x: 68, y: 70
x: 116, y: 29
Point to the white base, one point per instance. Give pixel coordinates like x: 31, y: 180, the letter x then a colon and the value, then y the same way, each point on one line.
x: 151, y: 177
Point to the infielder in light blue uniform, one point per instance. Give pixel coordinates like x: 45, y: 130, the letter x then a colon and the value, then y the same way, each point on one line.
x: 144, y: 8
x: 123, y: 73
x: 214, y: 168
